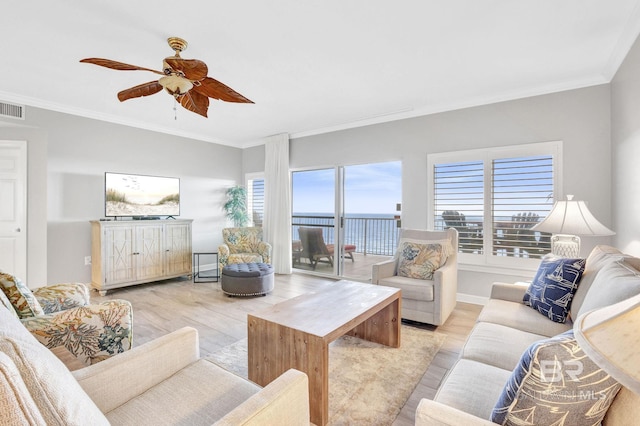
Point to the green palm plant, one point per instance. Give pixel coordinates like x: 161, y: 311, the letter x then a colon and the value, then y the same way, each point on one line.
x: 236, y: 206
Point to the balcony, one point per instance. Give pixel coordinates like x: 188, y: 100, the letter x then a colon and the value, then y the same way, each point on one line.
x: 374, y: 238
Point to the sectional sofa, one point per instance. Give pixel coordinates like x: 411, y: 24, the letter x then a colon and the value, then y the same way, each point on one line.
x: 512, y: 342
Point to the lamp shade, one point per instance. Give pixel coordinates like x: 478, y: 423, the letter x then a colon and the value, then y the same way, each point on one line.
x: 572, y: 218
x: 610, y: 336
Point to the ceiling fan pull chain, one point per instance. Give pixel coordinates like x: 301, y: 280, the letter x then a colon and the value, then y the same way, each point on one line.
x: 175, y: 109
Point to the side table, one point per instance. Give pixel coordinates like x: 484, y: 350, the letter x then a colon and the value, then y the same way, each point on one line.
x: 211, y: 275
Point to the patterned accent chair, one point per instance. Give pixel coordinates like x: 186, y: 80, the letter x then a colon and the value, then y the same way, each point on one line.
x: 62, y: 315
x: 243, y: 245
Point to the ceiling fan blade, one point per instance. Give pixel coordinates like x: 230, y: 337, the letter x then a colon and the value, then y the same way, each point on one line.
x: 193, y: 69
x: 145, y: 89
x: 108, y: 63
x: 214, y: 89
x: 195, y: 102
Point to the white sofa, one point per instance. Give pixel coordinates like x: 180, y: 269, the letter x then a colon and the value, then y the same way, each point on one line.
x: 161, y: 382
x: 506, y: 327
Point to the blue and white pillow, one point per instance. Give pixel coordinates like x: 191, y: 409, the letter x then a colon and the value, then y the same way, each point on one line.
x: 553, y: 287
x: 555, y: 383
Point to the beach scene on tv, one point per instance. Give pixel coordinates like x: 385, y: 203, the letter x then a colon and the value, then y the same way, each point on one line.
x: 136, y: 195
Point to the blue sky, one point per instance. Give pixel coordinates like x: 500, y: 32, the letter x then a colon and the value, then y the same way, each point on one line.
x: 369, y: 188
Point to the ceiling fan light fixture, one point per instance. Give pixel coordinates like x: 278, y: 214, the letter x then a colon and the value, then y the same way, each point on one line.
x: 175, y: 85
x: 179, y: 77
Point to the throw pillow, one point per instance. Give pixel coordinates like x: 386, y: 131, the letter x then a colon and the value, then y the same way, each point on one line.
x: 616, y: 281
x: 7, y: 304
x: 555, y: 383
x: 600, y: 256
x: 553, y: 286
x: 419, y: 259
x: 22, y: 299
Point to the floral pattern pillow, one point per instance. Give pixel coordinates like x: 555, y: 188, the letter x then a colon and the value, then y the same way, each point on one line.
x: 419, y: 259
x: 60, y: 297
x: 91, y: 333
x: 7, y: 304
x: 22, y: 299
x: 242, y: 240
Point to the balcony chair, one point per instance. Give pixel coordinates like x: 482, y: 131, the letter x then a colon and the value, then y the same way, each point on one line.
x: 425, y: 268
x: 243, y: 245
x: 315, y: 249
x: 469, y: 236
x: 62, y: 315
x: 517, y: 234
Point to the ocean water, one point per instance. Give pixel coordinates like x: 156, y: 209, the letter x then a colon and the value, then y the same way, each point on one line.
x: 371, y: 233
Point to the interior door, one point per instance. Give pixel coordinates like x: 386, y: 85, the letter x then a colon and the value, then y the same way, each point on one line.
x: 13, y: 211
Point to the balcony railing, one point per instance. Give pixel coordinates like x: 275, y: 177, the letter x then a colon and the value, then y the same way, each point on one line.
x: 370, y: 235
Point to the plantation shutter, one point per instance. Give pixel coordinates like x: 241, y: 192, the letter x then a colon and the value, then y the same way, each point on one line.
x: 256, y: 201
x: 522, y: 195
x: 459, y: 202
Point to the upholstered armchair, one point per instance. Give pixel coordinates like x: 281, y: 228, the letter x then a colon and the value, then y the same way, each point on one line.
x: 162, y: 382
x: 425, y: 268
x: 243, y: 245
x: 62, y: 315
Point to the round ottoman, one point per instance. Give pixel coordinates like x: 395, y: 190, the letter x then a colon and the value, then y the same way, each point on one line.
x: 247, y: 279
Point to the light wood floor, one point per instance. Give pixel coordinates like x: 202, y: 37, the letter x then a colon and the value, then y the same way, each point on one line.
x: 159, y: 308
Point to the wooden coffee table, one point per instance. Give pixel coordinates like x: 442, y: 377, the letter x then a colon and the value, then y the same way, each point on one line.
x: 296, y: 333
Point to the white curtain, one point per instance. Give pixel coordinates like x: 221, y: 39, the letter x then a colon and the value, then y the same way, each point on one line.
x: 277, y: 202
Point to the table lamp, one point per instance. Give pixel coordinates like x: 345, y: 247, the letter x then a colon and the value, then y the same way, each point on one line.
x: 567, y: 220
x: 610, y: 337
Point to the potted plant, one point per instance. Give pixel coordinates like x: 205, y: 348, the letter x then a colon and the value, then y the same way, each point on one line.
x: 236, y: 206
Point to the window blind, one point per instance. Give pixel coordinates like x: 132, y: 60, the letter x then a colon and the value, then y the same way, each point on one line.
x: 522, y: 195
x: 256, y: 201
x: 459, y: 202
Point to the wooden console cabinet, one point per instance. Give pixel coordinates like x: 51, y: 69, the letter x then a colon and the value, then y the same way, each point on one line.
x: 128, y: 252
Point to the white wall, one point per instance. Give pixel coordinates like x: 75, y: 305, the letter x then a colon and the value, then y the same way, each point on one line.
x: 68, y: 156
x: 71, y: 168
x: 625, y: 135
x: 579, y: 118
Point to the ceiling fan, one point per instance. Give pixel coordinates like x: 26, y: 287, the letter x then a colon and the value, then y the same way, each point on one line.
x: 185, y: 79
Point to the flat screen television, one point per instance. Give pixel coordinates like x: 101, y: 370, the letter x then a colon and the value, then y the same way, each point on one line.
x: 137, y: 196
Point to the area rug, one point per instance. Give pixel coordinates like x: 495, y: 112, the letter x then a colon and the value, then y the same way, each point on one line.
x: 368, y: 383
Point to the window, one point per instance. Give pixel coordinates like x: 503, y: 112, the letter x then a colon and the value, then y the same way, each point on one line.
x: 255, y: 198
x: 493, y: 197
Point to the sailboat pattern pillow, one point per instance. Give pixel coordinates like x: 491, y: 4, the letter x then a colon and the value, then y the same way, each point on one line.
x: 555, y: 383
x: 554, y: 285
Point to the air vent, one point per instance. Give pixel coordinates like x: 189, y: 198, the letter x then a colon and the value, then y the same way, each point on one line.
x: 11, y: 110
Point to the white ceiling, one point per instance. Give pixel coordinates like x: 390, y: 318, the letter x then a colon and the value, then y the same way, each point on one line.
x: 310, y: 66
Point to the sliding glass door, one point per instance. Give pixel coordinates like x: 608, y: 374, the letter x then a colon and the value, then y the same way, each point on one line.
x: 314, y: 220
x: 345, y: 218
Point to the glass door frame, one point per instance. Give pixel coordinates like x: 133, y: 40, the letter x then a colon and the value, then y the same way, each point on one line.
x: 338, y: 216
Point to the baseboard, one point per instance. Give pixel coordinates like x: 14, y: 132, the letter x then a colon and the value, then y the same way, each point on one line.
x: 471, y: 298
x: 205, y: 267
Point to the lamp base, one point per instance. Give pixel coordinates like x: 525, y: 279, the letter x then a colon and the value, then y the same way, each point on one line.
x: 565, y: 245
